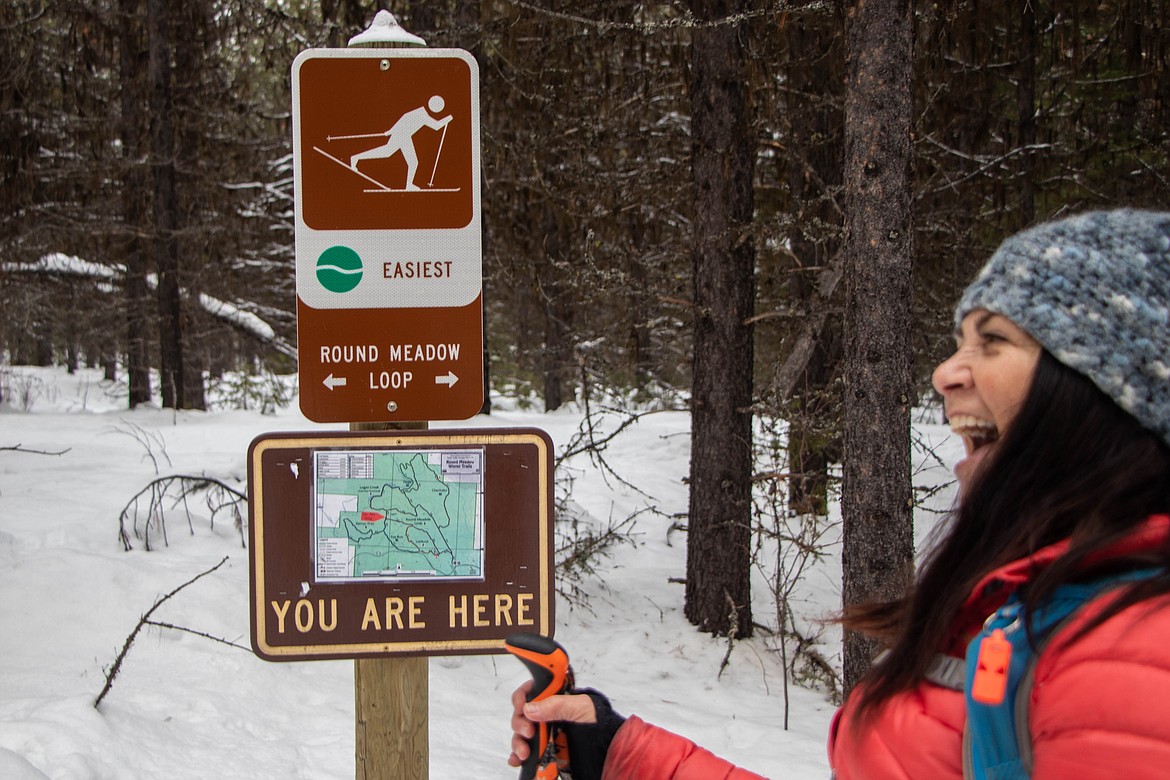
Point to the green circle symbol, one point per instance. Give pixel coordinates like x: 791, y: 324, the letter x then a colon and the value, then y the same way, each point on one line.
x: 339, y: 269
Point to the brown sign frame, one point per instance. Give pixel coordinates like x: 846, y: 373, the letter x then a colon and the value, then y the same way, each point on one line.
x: 389, y: 267
x: 294, y: 616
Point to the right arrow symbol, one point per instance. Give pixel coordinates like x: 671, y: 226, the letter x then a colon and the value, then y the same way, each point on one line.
x: 450, y: 379
x: 332, y: 382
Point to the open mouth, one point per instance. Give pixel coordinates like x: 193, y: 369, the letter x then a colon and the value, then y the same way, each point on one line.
x: 976, y: 432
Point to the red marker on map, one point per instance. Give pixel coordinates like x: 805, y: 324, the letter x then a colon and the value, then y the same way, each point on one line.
x: 372, y: 517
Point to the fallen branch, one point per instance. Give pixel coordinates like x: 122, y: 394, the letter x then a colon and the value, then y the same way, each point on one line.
x: 169, y: 492
x: 203, y: 634
x: 144, y: 620
x: 21, y: 448
x: 732, y: 631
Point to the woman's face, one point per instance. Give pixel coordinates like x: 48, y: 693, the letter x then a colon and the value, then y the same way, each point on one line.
x: 984, y: 383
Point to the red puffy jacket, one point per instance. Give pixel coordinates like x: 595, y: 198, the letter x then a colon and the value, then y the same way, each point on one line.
x: 1100, y: 706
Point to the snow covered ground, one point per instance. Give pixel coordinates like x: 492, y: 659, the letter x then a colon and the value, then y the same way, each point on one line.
x: 185, y: 706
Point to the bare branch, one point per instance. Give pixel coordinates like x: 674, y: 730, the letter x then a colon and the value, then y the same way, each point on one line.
x: 169, y: 492
x: 21, y: 448
x: 203, y: 634
x: 117, y: 666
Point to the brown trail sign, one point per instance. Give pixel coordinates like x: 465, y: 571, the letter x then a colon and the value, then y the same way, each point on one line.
x: 399, y: 542
x: 386, y: 162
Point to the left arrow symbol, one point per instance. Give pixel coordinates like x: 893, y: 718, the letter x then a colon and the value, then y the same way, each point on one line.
x: 332, y: 382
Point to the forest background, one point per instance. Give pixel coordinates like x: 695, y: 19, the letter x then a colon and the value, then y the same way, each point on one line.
x: 151, y: 141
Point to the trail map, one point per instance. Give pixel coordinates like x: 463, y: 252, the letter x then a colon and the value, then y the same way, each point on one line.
x: 402, y: 514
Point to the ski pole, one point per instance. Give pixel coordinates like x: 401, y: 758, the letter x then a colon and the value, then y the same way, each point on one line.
x: 442, y: 138
x: 346, y: 137
x: 548, y: 663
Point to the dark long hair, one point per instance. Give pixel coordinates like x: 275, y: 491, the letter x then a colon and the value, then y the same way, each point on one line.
x: 1072, y: 465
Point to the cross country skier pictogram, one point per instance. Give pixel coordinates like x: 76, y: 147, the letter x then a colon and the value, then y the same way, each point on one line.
x: 400, y: 139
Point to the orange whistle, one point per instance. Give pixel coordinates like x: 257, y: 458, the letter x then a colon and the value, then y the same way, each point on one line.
x: 991, y: 669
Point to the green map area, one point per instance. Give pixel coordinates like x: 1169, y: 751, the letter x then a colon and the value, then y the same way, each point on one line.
x: 414, y: 514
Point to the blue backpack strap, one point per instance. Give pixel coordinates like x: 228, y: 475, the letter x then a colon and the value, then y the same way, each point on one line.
x: 996, y: 742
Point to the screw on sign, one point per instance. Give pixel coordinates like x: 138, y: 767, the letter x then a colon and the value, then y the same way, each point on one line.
x: 388, y: 234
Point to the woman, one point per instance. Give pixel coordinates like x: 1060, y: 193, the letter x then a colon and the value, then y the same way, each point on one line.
x: 1060, y: 390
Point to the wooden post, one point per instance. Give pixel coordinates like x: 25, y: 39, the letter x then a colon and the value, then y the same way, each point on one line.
x: 391, y: 703
x: 391, y: 695
x: 391, y: 698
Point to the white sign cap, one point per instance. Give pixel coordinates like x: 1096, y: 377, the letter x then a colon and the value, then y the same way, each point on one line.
x: 384, y: 31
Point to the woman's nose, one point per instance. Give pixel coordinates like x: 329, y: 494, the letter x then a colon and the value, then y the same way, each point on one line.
x: 950, y: 374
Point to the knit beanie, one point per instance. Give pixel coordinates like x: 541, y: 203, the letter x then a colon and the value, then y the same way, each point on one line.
x: 1094, y: 290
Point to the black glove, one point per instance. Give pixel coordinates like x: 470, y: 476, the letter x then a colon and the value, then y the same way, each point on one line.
x: 589, y: 742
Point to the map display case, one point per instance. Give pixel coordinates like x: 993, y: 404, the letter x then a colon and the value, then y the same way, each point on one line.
x: 375, y: 543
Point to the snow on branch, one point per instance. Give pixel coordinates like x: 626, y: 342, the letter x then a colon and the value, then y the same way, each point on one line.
x: 58, y: 263
x: 69, y: 265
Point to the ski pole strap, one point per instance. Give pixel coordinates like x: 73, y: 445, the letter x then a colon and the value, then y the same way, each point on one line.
x: 588, y: 743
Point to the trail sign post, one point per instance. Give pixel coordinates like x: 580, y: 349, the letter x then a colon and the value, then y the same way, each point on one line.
x: 386, y: 166
x: 386, y: 162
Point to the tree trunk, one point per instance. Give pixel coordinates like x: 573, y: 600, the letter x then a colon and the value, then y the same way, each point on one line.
x: 554, y: 302
x: 876, y: 499
x: 162, y: 161
x: 722, y: 149
x: 814, y: 74
x: 1026, y: 103
x: 199, y: 262
x: 133, y: 63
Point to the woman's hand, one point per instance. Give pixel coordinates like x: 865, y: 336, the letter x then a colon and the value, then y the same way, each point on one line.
x: 567, y: 708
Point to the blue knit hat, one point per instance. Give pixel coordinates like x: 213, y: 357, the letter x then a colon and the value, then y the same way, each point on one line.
x: 1094, y: 290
